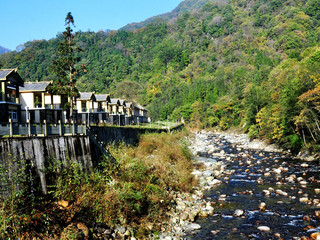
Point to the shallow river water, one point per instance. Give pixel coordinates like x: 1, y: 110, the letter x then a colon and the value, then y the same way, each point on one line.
x: 263, y: 195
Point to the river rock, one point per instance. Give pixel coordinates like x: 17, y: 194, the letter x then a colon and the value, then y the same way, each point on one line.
x: 266, y: 192
x: 315, y: 235
x: 303, y: 199
x: 280, y: 192
x: 238, y: 213
x: 264, y: 228
x: 277, y: 170
x: 303, y: 183
x: 191, y: 227
x: 214, y: 182
x: 262, y: 206
x: 222, y: 198
x: 193, y: 214
x: 184, y: 216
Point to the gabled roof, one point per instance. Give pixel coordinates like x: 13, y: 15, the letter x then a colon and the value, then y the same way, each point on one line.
x: 137, y: 105
x: 4, y: 73
x: 114, y: 101
x: 87, y: 96
x: 35, y: 87
x: 122, y: 102
x: 11, y: 75
x: 128, y: 105
x: 102, y: 97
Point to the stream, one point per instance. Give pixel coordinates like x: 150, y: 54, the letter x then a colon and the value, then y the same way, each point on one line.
x: 262, y: 195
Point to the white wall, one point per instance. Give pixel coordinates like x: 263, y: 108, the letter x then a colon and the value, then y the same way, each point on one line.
x: 26, y: 100
x: 56, y: 99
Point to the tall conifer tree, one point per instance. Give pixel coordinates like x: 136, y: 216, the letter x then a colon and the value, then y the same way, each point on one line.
x: 64, y: 68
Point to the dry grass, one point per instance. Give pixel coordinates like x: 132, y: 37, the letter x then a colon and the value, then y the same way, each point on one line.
x: 133, y: 192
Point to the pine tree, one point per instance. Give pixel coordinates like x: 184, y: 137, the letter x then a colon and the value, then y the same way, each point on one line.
x: 65, y: 68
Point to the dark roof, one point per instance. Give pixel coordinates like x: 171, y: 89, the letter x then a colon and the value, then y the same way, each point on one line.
x: 85, y: 95
x: 39, y: 86
x: 102, y: 97
x: 4, y: 73
x: 11, y: 75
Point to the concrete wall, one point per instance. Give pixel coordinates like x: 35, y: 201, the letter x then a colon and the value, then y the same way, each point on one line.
x: 41, y: 153
x: 126, y: 135
x: 36, y: 155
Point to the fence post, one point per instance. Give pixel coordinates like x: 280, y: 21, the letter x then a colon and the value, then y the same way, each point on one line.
x: 45, y: 128
x: 11, y: 128
x: 29, y: 128
x: 72, y: 127
x: 60, y: 128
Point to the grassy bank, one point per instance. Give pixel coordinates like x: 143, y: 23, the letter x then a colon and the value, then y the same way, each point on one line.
x: 134, y: 192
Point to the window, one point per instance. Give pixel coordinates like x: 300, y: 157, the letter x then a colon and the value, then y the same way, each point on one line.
x: 100, y: 106
x: 13, y: 115
x: 83, y: 106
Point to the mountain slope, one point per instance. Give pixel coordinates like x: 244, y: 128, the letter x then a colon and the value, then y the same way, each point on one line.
x: 4, y: 50
x: 183, y: 7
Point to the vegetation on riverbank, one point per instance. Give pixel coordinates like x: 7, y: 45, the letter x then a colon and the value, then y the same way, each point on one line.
x: 133, y: 192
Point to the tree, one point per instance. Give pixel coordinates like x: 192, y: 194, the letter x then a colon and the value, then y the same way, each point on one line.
x: 65, y: 68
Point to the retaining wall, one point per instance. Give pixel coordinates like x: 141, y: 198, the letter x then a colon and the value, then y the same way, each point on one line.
x: 36, y: 154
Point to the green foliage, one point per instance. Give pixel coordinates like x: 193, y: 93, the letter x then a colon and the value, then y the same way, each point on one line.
x: 240, y: 63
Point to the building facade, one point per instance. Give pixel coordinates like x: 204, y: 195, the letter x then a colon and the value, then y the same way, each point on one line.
x: 10, y: 107
x: 38, y: 104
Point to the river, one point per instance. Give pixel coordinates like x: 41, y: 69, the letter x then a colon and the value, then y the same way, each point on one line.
x: 264, y: 194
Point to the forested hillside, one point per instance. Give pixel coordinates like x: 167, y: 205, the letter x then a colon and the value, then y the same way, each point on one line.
x: 183, y: 7
x: 253, y: 64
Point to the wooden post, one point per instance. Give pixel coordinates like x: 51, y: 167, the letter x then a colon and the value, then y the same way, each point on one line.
x: 45, y: 128
x: 29, y: 127
x: 60, y: 128
x: 42, y: 100
x: 3, y: 91
x: 51, y: 96
x: 11, y: 128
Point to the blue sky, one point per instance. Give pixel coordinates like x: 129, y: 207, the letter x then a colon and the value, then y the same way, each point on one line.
x: 27, y: 20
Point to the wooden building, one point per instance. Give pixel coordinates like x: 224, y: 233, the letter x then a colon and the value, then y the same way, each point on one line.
x: 10, y: 107
x: 39, y: 104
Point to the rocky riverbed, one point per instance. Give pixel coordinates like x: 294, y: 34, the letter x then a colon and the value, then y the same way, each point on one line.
x: 247, y: 190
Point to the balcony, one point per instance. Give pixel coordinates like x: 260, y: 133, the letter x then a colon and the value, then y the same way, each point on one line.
x: 55, y: 106
x: 99, y: 110
x: 38, y: 105
x: 11, y: 99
